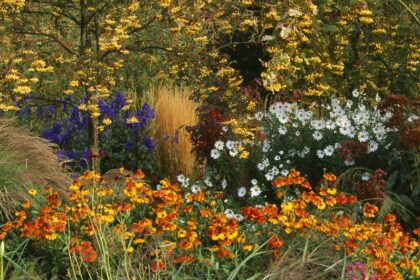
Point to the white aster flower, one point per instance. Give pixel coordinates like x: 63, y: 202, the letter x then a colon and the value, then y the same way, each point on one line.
x: 224, y: 184
x: 282, y: 130
x: 230, y: 144
x: 266, y: 146
x: 208, y: 182
x: 219, y: 145
x: 230, y: 214
x: 372, y: 146
x: 259, y: 116
x: 363, y: 136
x: 284, y: 172
x: 241, y: 191
x: 365, y: 176
x: 181, y: 178
x: 317, y: 135
x: 239, y: 217
x: 329, y: 150
x: 320, y: 154
x: 195, y: 189
x: 215, y: 154
x: 233, y: 153
x: 255, y: 191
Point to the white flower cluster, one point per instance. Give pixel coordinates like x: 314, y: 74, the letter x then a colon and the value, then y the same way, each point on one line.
x: 302, y: 134
x: 231, y: 215
x: 220, y: 146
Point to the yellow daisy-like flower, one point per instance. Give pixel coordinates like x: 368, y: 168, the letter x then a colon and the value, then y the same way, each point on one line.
x: 132, y: 120
x: 33, y: 192
x: 107, y: 121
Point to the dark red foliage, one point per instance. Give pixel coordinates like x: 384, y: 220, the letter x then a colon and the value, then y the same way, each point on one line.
x: 373, y: 188
x: 352, y: 150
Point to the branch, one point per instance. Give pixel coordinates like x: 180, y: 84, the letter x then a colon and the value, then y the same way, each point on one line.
x: 57, y: 40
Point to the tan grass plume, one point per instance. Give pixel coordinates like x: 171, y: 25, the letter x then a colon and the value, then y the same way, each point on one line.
x: 174, y: 111
x: 26, y: 161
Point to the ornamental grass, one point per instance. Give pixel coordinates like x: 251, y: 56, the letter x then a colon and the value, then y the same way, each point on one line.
x: 26, y: 162
x: 174, y: 112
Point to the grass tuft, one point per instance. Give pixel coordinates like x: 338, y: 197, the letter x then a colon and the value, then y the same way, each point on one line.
x: 174, y: 111
x: 26, y: 161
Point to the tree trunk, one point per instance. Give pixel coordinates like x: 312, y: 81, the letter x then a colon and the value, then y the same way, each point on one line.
x: 94, y: 155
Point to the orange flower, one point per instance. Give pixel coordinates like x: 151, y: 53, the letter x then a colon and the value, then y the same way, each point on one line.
x: 330, y: 177
x: 224, y: 253
x: 26, y: 204
x: 275, y: 241
x: 370, y: 210
x: 157, y: 265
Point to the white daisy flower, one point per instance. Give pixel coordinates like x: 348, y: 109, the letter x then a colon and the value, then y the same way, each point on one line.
x: 365, y: 176
x: 259, y: 116
x: 241, y: 191
x: 284, y: 172
x: 181, y: 178
x: 261, y: 166
x: 208, y: 182
x: 269, y: 176
x: 320, y: 154
x: 224, y: 184
x: 225, y: 128
x: 317, y: 135
x: 215, y: 154
x: 195, y: 189
x: 239, y: 217
x: 329, y: 150
x: 277, y: 158
x: 297, y: 133
x: 233, y: 153
x: 230, y: 144
x: 229, y: 214
x: 363, y: 136
x: 372, y: 146
x: 255, y: 191
x: 355, y: 93
x: 254, y: 182
x: 282, y: 130
x: 219, y: 145
x: 266, y: 146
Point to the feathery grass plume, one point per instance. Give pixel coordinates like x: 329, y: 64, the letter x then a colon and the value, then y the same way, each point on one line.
x: 26, y: 161
x: 174, y: 111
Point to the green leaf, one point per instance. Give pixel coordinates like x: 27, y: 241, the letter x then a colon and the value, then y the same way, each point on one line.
x: 391, y: 180
x: 331, y: 28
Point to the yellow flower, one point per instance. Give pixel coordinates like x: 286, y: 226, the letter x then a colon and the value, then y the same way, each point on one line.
x: 130, y: 250
x: 247, y: 247
x: 132, y: 120
x: 107, y: 121
x: 33, y: 192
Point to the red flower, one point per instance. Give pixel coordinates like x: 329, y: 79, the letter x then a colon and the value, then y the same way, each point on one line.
x: 157, y: 265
